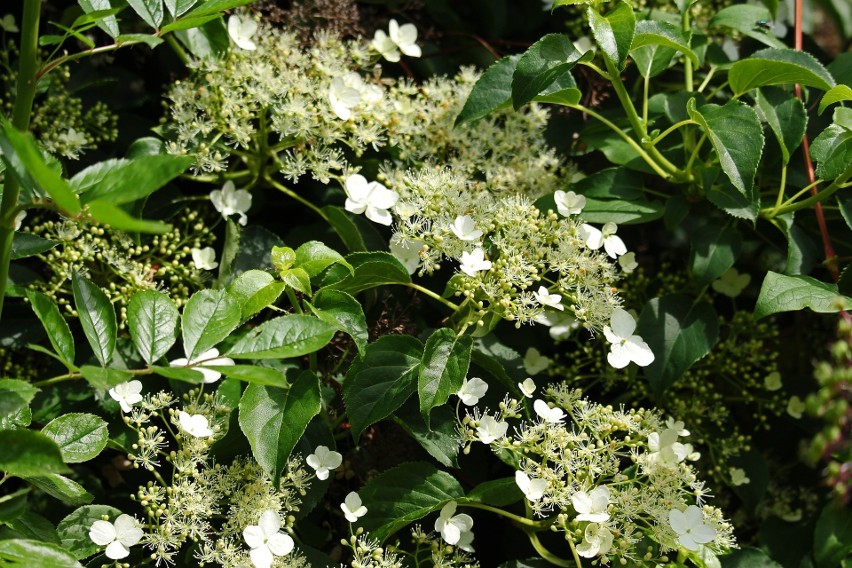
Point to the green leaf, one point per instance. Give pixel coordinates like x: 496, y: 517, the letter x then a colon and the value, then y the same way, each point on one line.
x: 440, y: 439
x: 405, y: 494
x: 125, y: 181
x: 345, y: 313
x: 117, y: 218
x: 563, y: 91
x: 773, y: 66
x: 33, y: 526
x: 151, y: 41
x: 97, y: 317
x: 208, y: 40
x: 80, y: 437
x: 152, y: 319
x: 145, y: 146
x: 492, y: 91
x: 780, y: 293
x: 228, y: 269
x: 297, y: 279
x: 621, y: 212
x: 104, y: 378
x: 832, y: 150
x: 60, y: 487
x: 109, y: 24
x: 149, y: 10
x: 179, y: 7
x: 54, y: 324
x: 25, y: 162
x: 26, y: 244
x: 663, y: 34
x: 184, y: 374
x: 216, y: 7
x: 737, y: 137
x: 254, y: 374
x: 74, y: 529
x: 14, y: 504
x: 274, y: 419
x: 729, y: 199
x: 611, y: 183
x: 187, y: 22
x: 313, y: 257
x: 446, y: 359
x: 35, y: 554
x: 748, y: 558
x: 497, y: 492
x: 15, y: 395
x: 679, y: 333
x: 614, y: 32
x: 833, y: 536
x: 345, y: 228
x: 651, y: 60
x: 26, y: 452
x: 372, y: 269
x: 714, y: 251
x: 836, y: 94
x: 786, y: 116
x: 380, y: 383
x: 208, y: 317
x: 744, y: 18
x: 254, y: 290
x: 283, y: 337
x: 541, y: 65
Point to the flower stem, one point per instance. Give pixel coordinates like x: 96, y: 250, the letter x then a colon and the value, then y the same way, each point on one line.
x: 290, y: 193
x: 549, y: 556
x: 433, y: 295
x: 533, y: 525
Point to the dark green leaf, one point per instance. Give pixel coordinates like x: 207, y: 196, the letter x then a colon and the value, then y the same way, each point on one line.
x: 149, y: 10
x: 179, y: 7
x: 714, y: 251
x: 184, y: 374
x: 446, y: 359
x: 773, y: 66
x: 97, y: 317
x: 80, y: 437
x: 26, y: 452
x: 345, y: 313
x: 540, y: 66
x: 832, y: 150
x: 26, y: 244
x: 743, y: 18
x: 60, y: 487
x: 441, y: 439
x: 254, y: 374
x: 145, y: 146
x: 492, y: 91
x: 651, y: 60
x: 109, y: 24
x: 283, y: 337
x: 663, y: 34
x: 209, y: 40
x: 614, y: 32
x: 54, y: 324
x: 216, y: 7
x: 786, y: 116
x: 152, y: 319
x: 14, y: 504
x: 780, y: 293
x: 748, y: 558
x: 74, y: 529
x: 104, y: 378
x: 371, y: 269
x: 208, y: 317
x: 833, y: 536
x: 274, y: 419
x: 254, y: 290
x: 620, y: 211
x: 151, y: 41
x: 124, y: 181
x: 33, y: 526
x: 497, y: 492
x: 835, y: 95
x: 117, y: 218
x: 35, y: 554
x: 610, y: 183
x: 15, y: 395
x: 729, y: 199
x: 345, y: 228
x: 314, y: 257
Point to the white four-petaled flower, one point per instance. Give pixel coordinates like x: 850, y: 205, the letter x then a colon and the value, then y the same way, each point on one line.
x: 627, y: 262
x: 626, y: 346
x: 452, y: 527
x: 533, y: 488
x: 597, y: 539
x: 352, y: 507
x: 569, y: 203
x: 592, y: 506
x: 204, y: 259
x: 527, y: 387
x: 196, y: 425
x: 665, y: 449
x: 241, y: 31
x: 552, y: 415
x: 127, y: 394
x: 231, y: 201
x: 606, y: 237
x: 545, y: 298
x: 209, y: 357
x: 731, y: 283
x: 490, y: 430
x: 265, y: 540
x: 400, y: 38
x: 344, y: 94
x: 464, y: 228
x: 690, y: 528
x: 118, y: 537
x: 535, y: 362
x: 473, y: 262
x: 323, y: 461
x: 370, y: 197
x: 472, y: 390
x: 406, y: 252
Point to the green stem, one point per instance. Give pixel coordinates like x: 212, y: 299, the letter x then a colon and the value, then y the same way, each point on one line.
x: 782, y: 186
x: 818, y: 198
x: 50, y: 66
x: 290, y: 193
x: 687, y: 62
x: 695, y: 152
x: 706, y: 80
x: 671, y: 129
x: 533, y: 525
x: 432, y: 295
x: 176, y: 47
x: 549, y: 556
x: 21, y: 113
x: 574, y: 552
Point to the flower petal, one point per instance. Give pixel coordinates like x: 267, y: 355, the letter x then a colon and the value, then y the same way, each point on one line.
x: 261, y: 557
x: 116, y: 550
x: 270, y: 522
x: 253, y: 535
x: 102, y: 532
x: 280, y: 544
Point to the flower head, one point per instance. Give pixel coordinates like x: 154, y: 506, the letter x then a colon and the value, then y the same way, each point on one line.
x: 265, y: 540
x: 738, y: 476
x: 464, y: 228
x: 400, y: 39
x: 665, y: 448
x: 241, y: 31
x: 552, y: 415
x: 19, y: 218
x: 626, y: 346
x: 535, y: 362
x: 344, y: 94
x: 561, y: 324
x: 569, y: 203
x: 195, y: 425
x: 407, y: 252
x: 7, y: 23
x: 527, y: 387
x: 352, y: 507
x: 533, y: 488
x: 795, y: 407
x: 472, y: 390
x: 690, y: 528
x: 323, y: 461
x: 230, y: 201
x: 204, y: 259
x: 627, y: 262
x: 545, y: 298
x: 372, y: 197
x: 595, y: 238
x: 118, y: 537
x: 209, y: 357
x: 731, y: 283
x: 452, y: 526
x: 490, y: 430
x: 592, y: 506
x: 127, y: 394
x: 772, y: 381
x: 473, y: 262
x: 597, y: 539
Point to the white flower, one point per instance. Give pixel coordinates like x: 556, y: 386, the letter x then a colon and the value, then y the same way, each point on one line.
x: 19, y: 218
x: 352, y: 507
x: 535, y: 362
x: 490, y: 430
x: 795, y: 407
x: 738, y: 476
x: 452, y: 527
x: 465, y: 541
x: 344, y: 94
x: 406, y: 251
x: 323, y: 461
x: 241, y: 32
x: 592, y: 506
x: 229, y: 201
x: 627, y: 262
x: 597, y: 539
x: 626, y: 346
x: 402, y: 38
x: 118, y: 537
x: 561, y: 325
x: 471, y: 391
x: 8, y: 24
x: 204, y: 259
x: 464, y: 228
x: 265, y: 540
x: 552, y: 415
x: 731, y: 283
x: 690, y: 529
x: 127, y: 394
x: 209, y: 357
x: 545, y: 298
x: 772, y: 381
x: 569, y: 203
x: 473, y: 262
x: 195, y: 425
x: 605, y: 237
x: 665, y: 448
x: 531, y: 487
x: 527, y: 387
x: 677, y: 426
x: 372, y: 197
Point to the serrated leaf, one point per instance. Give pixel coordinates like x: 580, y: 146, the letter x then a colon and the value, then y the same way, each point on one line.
x: 344, y: 312
x: 60, y: 487
x: 313, y: 257
x: 33, y: 526
x: 73, y: 530
x: 614, y: 32
x: 540, y: 66
x: 405, y: 494
x: 781, y: 293
x: 833, y: 536
x: 836, y: 94
x: 372, y: 269
x: 773, y: 66
x: 283, y: 337
x: 736, y: 135
x: 664, y: 34
x: 254, y: 290
x: 149, y: 10
x: 253, y: 374
x: 679, y: 332
x: 446, y: 359
x: 109, y: 24
x: 492, y: 91
x: 497, y: 492
x: 104, y: 378
x: 651, y: 60
x: 832, y: 150
x: 744, y: 18
x: 216, y: 7
x: 714, y: 250
x: 117, y: 218
x: 380, y: 383
x: 80, y: 436
x: 97, y: 317
x: 15, y: 395
x: 179, y: 7
x: 152, y: 320
x: 27, y: 453
x: 621, y: 212
x: 26, y: 244
x: 345, y: 228
x: 208, y: 317
x: 297, y: 279
x: 786, y: 116
x: 35, y: 554
x: 440, y: 439
x: 54, y: 324
x: 124, y: 181
x: 274, y: 419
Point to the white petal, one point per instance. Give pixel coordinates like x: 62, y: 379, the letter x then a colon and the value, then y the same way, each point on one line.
x: 261, y: 557
x: 412, y: 50
x: 677, y: 520
x: 693, y: 516
x: 610, y: 336
x: 618, y: 356
x: 356, y: 187
x: 406, y: 35
x: 280, y: 544
x: 116, y: 550
x: 380, y: 216
x: 639, y: 351
x: 582, y: 502
x: 463, y: 522
x: 592, y: 236
x: 622, y: 323
x: 687, y: 541
x: 614, y: 246
x: 450, y: 533
x: 448, y: 510
x: 253, y: 535
x: 102, y: 532
x: 703, y: 534
x: 270, y: 522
